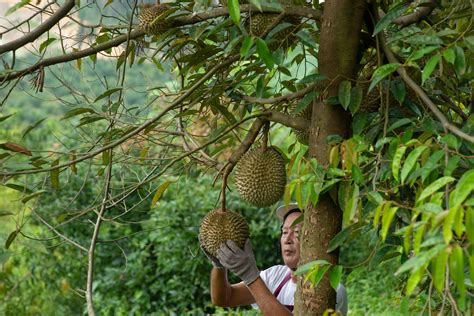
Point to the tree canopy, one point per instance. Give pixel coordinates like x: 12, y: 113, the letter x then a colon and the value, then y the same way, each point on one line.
x: 369, y: 102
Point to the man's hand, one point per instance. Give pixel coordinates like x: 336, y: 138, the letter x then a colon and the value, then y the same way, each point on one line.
x: 215, y: 262
x: 241, y: 262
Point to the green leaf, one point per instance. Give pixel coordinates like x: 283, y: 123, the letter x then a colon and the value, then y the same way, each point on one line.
x: 159, y: 192
x: 439, y: 270
x: 107, y: 93
x: 19, y: 188
x: 339, y: 239
x: 234, y: 11
x: 463, y: 189
x: 381, y: 73
x: 387, y: 218
x: 431, y: 164
x: 246, y: 45
x: 344, y: 94
x: 310, y: 265
x: 75, y: 112
x: 5, y: 213
x: 3, y: 118
x: 418, y: 261
x: 264, y: 53
x: 312, y: 78
x: 356, y: 99
x: 349, y: 198
x: 335, y: 276
x: 397, y: 160
x: 460, y: 62
x: 11, y: 238
x: 46, y: 43
x: 413, y: 280
x: 33, y: 195
x: 399, y: 123
x: 424, y: 39
x: 429, y: 67
x: 410, y: 161
x: 470, y: 225
x: 31, y: 127
x: 421, y: 52
x: 305, y: 101
x: 435, y: 186
x: 388, y: 18
x: 16, y: 6
x: 398, y: 89
x: 456, y: 267
x: 449, y: 55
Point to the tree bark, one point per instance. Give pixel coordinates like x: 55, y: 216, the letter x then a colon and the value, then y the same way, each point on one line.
x: 340, y: 32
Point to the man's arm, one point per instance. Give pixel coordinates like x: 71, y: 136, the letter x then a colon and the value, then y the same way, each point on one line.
x: 225, y: 294
x: 266, y: 301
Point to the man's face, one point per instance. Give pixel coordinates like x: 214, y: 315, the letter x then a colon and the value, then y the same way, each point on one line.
x: 290, y: 244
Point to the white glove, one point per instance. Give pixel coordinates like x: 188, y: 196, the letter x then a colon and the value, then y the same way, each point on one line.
x: 241, y: 262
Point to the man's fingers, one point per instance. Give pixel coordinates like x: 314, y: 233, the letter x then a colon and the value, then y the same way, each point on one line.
x: 233, y: 246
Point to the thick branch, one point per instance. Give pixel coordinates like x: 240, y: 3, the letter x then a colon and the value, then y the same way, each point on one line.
x: 288, y: 120
x: 44, y: 27
x: 224, y: 11
x: 116, y: 41
x: 419, y: 13
x: 421, y: 93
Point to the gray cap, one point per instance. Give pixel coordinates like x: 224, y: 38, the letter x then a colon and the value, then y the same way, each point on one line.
x: 282, y: 210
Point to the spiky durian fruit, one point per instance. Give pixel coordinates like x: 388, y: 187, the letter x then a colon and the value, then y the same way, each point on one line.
x: 260, y: 176
x: 218, y: 226
x: 151, y: 18
x: 303, y: 135
x: 257, y: 23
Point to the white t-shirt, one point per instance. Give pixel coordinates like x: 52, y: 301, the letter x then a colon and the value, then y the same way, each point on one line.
x: 273, y: 276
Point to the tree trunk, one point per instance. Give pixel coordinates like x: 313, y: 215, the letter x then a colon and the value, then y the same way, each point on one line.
x: 337, y: 59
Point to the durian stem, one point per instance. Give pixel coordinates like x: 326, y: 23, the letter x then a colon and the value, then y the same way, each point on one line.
x: 224, y: 186
x: 266, y: 129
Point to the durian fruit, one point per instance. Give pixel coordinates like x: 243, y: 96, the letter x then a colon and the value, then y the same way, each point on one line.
x: 148, y: 15
x: 257, y: 23
x: 302, y: 136
x: 260, y: 176
x: 218, y: 226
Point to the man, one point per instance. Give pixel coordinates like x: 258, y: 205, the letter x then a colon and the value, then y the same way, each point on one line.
x: 272, y: 289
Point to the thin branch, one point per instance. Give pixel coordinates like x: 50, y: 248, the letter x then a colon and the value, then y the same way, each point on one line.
x: 27, y: 20
x: 72, y: 242
x: 95, y: 234
x: 44, y: 27
x: 421, y: 93
x: 295, y: 122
